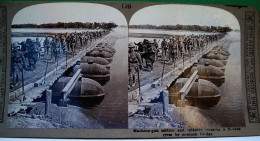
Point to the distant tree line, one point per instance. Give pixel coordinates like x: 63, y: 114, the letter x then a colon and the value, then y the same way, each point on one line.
x: 185, y: 27
x: 94, y: 25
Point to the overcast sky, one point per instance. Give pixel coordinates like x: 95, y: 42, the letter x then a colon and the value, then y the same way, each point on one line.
x: 171, y: 14
x: 68, y: 12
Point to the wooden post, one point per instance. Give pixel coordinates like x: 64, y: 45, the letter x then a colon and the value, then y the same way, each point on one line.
x: 165, y: 101
x: 46, y: 69
x: 23, y: 86
x: 48, y: 102
x: 66, y: 58
x: 139, y: 87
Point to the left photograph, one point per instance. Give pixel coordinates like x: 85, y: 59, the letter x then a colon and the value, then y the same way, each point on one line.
x: 67, y: 63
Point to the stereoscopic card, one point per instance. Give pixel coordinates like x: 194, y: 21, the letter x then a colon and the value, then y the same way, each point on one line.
x: 128, y: 70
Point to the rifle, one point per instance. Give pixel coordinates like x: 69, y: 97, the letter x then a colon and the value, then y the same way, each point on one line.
x: 57, y: 62
x: 140, y: 94
x: 66, y: 57
x: 163, y: 68
x: 45, y: 71
x: 183, y: 58
x: 23, y: 86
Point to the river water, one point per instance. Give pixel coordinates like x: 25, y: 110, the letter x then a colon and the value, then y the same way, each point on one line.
x: 44, y: 30
x: 50, y: 30
x: 229, y: 112
x: 112, y: 111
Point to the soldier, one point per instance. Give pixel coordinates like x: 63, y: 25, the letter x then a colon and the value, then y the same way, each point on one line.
x: 157, y: 48
x: 38, y: 43
x: 81, y: 40
x: 63, y: 45
x: 24, y: 49
x: 28, y: 43
x: 73, y: 42
x: 203, y: 43
x: 171, y: 49
x: 57, y: 49
x: 18, y: 63
x: 46, y: 44
x: 24, y: 46
x: 33, y: 55
x: 150, y: 55
x: 51, y: 45
x: 184, y: 41
x: 179, y: 47
x: 134, y: 65
x: 189, y: 44
x: 164, y: 46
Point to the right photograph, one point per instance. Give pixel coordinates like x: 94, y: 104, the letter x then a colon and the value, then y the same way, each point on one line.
x: 184, y: 68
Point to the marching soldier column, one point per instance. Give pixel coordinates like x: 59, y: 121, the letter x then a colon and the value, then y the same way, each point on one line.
x: 170, y: 50
x: 26, y: 54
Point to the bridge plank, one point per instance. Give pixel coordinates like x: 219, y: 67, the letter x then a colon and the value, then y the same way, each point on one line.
x: 186, y: 88
x: 68, y: 88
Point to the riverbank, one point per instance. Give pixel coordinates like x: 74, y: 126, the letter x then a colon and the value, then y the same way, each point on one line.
x: 59, y: 117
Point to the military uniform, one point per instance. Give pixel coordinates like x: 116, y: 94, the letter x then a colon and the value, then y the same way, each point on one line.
x: 18, y: 63
x: 56, y: 49
x: 164, y: 47
x: 34, y: 53
x: 38, y: 43
x: 63, y: 45
x: 68, y: 41
x: 73, y: 43
x: 172, y: 49
x: 24, y: 46
x: 81, y: 40
x: 179, y: 47
x: 46, y: 44
x: 134, y: 64
x: 150, y: 59
x: 189, y: 45
x: 157, y: 48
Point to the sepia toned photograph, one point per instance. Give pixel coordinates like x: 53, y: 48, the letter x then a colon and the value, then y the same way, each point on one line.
x: 67, y: 60
x: 184, y: 68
